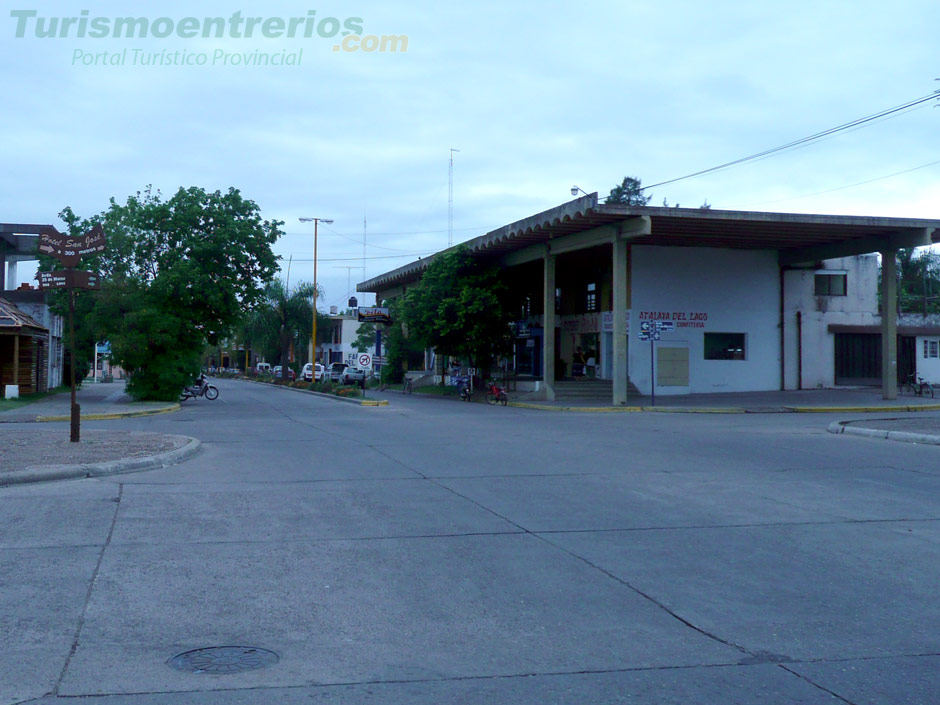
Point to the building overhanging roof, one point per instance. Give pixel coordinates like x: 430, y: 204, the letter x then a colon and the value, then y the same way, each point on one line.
x: 18, y: 241
x: 797, y: 237
x: 13, y: 320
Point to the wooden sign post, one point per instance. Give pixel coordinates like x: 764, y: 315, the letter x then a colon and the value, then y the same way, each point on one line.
x: 69, y: 250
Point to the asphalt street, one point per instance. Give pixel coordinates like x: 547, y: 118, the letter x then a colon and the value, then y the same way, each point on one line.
x: 435, y: 552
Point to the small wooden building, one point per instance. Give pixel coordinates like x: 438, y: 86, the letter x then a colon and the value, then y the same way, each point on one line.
x: 24, y: 347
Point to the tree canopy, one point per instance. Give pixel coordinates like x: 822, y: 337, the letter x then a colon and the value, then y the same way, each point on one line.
x: 176, y: 273
x: 629, y: 192
x: 460, y: 308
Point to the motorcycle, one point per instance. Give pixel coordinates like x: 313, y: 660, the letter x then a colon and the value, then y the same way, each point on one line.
x: 465, y: 388
x: 200, y: 389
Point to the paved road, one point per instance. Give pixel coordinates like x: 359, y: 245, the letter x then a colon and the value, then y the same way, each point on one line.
x: 436, y: 552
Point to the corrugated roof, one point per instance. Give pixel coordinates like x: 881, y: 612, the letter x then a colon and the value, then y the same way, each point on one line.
x: 673, y: 227
x: 12, y: 320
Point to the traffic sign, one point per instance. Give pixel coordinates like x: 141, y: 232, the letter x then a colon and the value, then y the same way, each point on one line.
x: 667, y: 326
x: 65, y: 278
x: 365, y: 360
x: 644, y: 325
x: 67, y: 249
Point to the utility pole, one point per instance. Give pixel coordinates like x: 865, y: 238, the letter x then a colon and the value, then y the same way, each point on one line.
x: 450, y: 200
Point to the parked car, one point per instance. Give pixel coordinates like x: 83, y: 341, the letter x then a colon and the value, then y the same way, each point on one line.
x: 291, y: 375
x: 336, y: 371
x: 353, y: 374
x: 262, y: 367
x: 312, y: 372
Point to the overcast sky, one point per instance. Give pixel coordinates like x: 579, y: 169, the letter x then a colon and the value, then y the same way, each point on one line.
x: 537, y: 96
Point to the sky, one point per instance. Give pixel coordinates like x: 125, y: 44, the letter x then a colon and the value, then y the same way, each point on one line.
x: 536, y: 96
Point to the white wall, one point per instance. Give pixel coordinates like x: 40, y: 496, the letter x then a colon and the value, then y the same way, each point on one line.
x: 738, y: 292
x: 859, y: 307
x: 929, y: 367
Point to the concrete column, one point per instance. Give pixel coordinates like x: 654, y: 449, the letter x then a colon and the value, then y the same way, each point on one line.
x: 11, y: 274
x: 889, y: 324
x: 620, y: 264
x: 548, y: 340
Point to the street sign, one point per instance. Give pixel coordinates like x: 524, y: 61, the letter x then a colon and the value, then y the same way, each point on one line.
x: 69, y: 250
x: 644, y: 325
x: 373, y: 315
x: 667, y: 326
x: 68, y: 278
x: 365, y: 361
x: 53, y: 280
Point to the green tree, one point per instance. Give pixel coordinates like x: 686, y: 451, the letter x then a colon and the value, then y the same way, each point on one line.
x: 628, y: 192
x: 282, y: 318
x: 177, y: 273
x: 918, y: 280
x: 460, y: 308
x: 365, y: 337
x: 401, y: 350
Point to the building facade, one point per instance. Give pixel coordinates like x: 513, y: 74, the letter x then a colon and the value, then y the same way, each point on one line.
x: 687, y: 301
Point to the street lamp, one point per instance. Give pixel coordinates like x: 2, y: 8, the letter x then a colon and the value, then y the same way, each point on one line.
x: 575, y: 189
x: 313, y: 333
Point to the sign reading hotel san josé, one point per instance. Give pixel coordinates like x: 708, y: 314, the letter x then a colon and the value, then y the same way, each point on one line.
x: 69, y: 250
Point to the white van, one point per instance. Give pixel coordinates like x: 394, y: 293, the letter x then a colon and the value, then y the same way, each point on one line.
x: 262, y: 367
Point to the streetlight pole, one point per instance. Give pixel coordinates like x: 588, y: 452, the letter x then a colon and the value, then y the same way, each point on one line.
x: 313, y: 333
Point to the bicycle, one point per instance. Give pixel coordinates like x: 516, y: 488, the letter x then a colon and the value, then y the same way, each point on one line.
x: 918, y: 387
x: 496, y: 395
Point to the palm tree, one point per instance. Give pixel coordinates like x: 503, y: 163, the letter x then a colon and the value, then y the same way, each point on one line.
x: 280, y: 318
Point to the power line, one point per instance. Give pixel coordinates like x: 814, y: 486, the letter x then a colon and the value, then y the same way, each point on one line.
x: 359, y: 259
x: 843, y: 188
x: 802, y: 141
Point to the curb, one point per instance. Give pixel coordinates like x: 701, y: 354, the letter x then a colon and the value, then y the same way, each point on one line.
x: 861, y: 409
x: 111, y: 467
x: 117, y: 415
x: 839, y: 427
x: 323, y: 395
x: 727, y: 409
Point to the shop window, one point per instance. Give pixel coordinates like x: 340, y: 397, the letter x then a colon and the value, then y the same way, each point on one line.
x: 557, y: 300
x: 830, y: 284
x: 590, y: 302
x: 526, y: 309
x: 931, y: 348
x: 725, y: 346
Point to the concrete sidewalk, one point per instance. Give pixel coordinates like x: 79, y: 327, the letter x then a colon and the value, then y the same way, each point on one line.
x: 859, y: 400
x: 919, y: 428
x: 97, y: 401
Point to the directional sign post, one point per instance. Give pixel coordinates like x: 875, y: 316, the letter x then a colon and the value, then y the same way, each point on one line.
x: 69, y: 250
x: 653, y: 331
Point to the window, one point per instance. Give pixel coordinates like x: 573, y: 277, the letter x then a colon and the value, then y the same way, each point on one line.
x: 931, y: 348
x: 590, y: 302
x: 831, y: 284
x: 724, y: 346
x: 557, y: 300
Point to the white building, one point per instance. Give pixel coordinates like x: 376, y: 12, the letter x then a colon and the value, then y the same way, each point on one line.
x: 344, y: 329
x: 750, y: 301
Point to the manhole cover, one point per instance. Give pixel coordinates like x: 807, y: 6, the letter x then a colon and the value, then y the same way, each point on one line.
x: 223, y: 659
